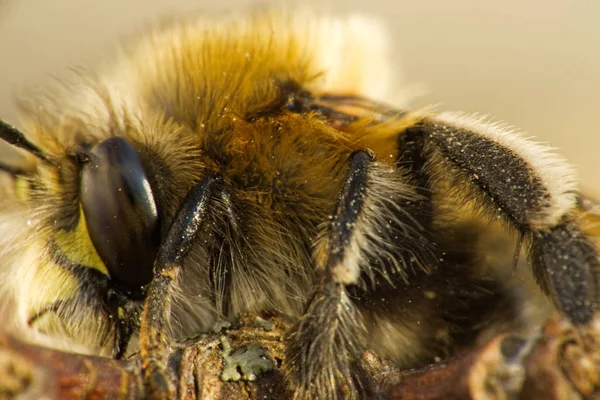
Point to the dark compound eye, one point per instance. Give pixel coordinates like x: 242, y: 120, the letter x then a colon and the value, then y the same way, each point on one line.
x: 120, y: 211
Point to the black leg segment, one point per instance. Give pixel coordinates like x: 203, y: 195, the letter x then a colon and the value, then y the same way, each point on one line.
x: 157, y: 309
x: 567, y: 266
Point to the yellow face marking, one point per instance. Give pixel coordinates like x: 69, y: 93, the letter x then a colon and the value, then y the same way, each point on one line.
x: 52, y: 275
x: 77, y: 242
x: 47, y: 319
x: 55, y: 284
x: 22, y: 188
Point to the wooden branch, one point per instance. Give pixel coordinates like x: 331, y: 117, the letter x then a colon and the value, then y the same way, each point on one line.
x: 557, y: 362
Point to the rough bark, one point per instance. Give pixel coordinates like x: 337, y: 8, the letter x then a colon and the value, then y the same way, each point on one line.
x: 557, y: 362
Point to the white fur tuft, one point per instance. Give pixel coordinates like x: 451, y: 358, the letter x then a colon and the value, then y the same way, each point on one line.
x: 557, y: 176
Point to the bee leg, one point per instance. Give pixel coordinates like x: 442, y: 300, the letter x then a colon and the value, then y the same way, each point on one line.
x: 331, y: 333
x: 154, y: 340
x: 126, y: 316
x: 531, y: 189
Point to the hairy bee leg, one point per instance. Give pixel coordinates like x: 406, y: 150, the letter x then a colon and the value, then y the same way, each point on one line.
x: 331, y: 332
x: 154, y: 339
x: 533, y: 189
x: 126, y: 315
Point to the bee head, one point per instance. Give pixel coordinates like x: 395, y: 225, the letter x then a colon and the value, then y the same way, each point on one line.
x: 98, y: 226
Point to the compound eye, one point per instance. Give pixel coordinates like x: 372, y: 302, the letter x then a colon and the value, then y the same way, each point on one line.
x: 120, y: 211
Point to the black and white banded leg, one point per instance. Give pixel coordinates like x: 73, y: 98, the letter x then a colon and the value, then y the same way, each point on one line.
x: 328, y: 337
x: 374, y: 240
x: 532, y: 189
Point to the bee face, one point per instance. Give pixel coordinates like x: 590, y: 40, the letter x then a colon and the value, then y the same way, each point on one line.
x: 243, y: 165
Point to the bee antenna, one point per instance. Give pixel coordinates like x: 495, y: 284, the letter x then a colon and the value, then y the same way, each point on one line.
x: 12, y: 135
x: 12, y: 170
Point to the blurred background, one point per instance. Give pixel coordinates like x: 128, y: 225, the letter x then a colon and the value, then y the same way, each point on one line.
x: 534, y: 64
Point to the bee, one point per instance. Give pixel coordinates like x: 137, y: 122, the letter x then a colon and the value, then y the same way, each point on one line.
x: 256, y: 163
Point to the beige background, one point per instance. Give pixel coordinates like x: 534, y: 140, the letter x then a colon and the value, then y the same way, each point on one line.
x: 532, y: 63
